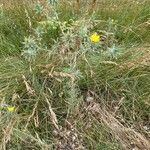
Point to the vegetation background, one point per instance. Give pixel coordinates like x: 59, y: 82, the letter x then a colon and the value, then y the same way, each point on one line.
x: 59, y: 90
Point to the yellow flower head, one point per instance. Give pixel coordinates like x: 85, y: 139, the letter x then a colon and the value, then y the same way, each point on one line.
x: 11, y: 108
x: 95, y: 38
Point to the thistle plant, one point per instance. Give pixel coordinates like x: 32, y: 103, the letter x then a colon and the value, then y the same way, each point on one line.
x: 38, y: 8
x: 30, y: 48
x: 75, y: 40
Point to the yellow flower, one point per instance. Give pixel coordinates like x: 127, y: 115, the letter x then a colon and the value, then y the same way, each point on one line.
x: 95, y: 38
x: 11, y: 108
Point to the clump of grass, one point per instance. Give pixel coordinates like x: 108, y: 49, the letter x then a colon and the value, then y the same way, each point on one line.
x: 16, y: 23
x: 71, y: 80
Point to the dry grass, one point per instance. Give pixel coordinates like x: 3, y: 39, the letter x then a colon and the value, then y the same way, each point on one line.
x: 129, y: 138
x: 71, y: 99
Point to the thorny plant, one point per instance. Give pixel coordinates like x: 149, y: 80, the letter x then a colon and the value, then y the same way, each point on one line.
x: 63, y: 60
x: 76, y: 39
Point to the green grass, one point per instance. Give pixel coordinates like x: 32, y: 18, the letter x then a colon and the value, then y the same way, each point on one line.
x: 50, y: 80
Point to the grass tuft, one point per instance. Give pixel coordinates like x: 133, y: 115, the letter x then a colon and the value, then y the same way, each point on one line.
x: 61, y: 90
